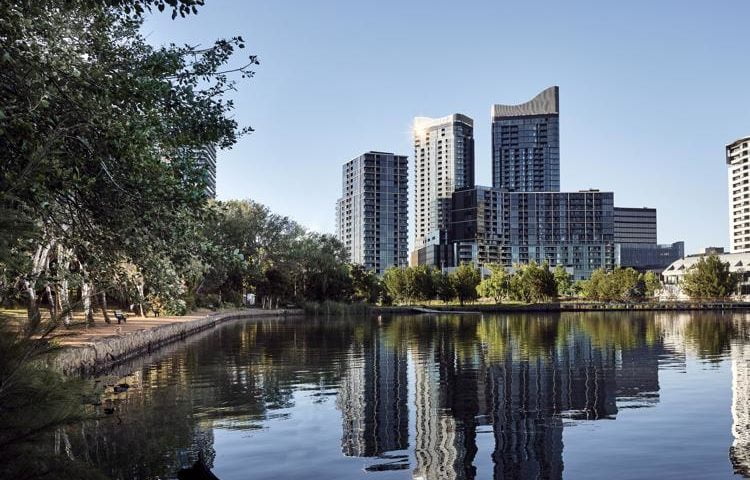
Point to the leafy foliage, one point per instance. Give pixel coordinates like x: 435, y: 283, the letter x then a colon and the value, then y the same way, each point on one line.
x: 709, y: 278
x: 465, y: 279
x: 564, y: 281
x: 497, y: 285
x: 619, y: 285
x: 35, y: 403
x: 533, y: 283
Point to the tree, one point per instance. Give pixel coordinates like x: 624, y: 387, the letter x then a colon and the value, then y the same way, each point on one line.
x: 533, y: 283
x: 497, y: 285
x: 651, y: 282
x: 365, y: 284
x: 563, y: 280
x: 709, y: 278
x: 465, y: 279
x: 420, y: 281
x: 99, y: 140
x: 396, y: 284
x: 444, y: 287
x: 620, y: 284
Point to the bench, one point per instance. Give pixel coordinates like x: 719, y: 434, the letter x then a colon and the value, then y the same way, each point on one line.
x: 120, y: 317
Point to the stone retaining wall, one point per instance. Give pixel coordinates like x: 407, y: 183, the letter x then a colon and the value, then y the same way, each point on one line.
x: 109, y: 351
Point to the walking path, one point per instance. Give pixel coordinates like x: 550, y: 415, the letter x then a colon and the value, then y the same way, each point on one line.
x: 92, y: 349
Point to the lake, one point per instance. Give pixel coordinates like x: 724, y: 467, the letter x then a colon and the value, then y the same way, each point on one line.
x: 575, y: 395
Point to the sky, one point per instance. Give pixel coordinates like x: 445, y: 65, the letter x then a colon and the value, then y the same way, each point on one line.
x: 650, y: 93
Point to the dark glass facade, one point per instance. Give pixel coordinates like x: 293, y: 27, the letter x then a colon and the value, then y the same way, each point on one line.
x: 649, y: 256
x: 572, y: 229
x: 372, y: 214
x: 635, y: 225
x: 526, y: 144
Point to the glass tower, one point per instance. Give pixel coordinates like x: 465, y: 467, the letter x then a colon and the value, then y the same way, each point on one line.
x: 372, y: 213
x: 526, y: 144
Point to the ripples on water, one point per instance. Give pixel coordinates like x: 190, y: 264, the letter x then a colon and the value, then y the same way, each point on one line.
x: 594, y: 395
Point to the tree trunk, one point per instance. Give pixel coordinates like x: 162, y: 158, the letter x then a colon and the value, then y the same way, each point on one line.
x: 63, y: 291
x: 88, y: 314
x: 34, y: 315
x: 87, y: 289
x: 104, y: 307
x: 52, y: 302
x: 140, y: 289
x: 39, y: 263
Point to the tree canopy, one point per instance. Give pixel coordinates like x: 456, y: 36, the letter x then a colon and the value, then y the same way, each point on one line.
x: 709, y: 278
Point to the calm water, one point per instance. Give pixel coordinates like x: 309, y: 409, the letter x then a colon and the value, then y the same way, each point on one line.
x: 645, y: 395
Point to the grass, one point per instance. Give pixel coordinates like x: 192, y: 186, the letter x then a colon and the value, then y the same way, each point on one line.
x: 329, y: 308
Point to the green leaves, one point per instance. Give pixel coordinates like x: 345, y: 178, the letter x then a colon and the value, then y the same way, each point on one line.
x: 618, y: 285
x: 710, y: 278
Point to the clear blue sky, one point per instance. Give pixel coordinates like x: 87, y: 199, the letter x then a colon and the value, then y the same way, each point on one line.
x: 651, y: 91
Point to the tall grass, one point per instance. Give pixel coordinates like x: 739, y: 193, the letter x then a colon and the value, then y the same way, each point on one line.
x: 329, y: 308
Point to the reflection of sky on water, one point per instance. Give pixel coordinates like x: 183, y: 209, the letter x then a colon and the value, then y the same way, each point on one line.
x: 525, y: 396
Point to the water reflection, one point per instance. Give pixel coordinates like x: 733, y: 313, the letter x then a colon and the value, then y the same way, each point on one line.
x: 414, y: 396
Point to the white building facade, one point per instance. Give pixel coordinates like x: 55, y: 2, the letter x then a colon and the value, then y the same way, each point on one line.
x: 738, y: 163
x: 443, y: 162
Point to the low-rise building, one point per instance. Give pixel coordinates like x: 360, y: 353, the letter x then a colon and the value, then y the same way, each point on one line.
x: 673, y: 275
x: 644, y: 256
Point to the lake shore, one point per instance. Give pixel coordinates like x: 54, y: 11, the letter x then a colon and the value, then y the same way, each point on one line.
x: 567, y: 307
x: 98, y: 348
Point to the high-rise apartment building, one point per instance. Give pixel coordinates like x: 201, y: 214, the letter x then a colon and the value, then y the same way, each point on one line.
x: 372, y: 213
x: 207, y: 159
x: 443, y: 163
x: 738, y: 161
x: 526, y: 144
x: 572, y: 229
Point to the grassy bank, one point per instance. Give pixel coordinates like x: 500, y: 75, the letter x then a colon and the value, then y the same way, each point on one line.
x: 329, y: 308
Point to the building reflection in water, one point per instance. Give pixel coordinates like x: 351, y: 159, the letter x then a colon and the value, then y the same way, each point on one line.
x: 414, y: 393
x: 739, y: 452
x: 521, y: 377
x: 373, y: 400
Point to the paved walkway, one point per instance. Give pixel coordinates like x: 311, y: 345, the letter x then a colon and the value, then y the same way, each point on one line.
x: 80, y: 334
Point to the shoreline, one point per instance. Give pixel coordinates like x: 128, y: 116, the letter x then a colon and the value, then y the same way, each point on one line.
x: 565, y: 307
x: 106, y: 352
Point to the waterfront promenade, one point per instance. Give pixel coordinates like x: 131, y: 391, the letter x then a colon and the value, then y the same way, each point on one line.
x: 92, y: 349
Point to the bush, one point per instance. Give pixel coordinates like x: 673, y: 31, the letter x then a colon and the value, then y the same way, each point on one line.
x: 330, y: 308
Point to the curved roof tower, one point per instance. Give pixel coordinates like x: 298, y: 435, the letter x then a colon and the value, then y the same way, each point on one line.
x: 526, y: 144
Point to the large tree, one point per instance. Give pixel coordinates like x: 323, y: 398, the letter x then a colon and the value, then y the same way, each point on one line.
x: 532, y: 282
x: 496, y: 285
x: 709, y: 278
x: 99, y: 138
x: 465, y: 279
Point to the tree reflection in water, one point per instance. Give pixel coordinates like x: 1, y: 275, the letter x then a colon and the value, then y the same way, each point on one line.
x: 413, y: 391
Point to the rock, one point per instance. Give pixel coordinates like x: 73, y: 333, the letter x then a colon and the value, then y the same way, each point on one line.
x: 199, y: 471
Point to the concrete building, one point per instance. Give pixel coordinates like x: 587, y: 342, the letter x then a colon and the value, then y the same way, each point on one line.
x: 572, y: 229
x: 635, y: 225
x: 526, y: 144
x: 372, y: 213
x: 443, y: 162
x: 738, y: 162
